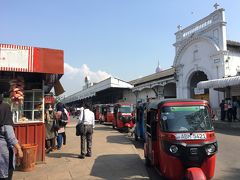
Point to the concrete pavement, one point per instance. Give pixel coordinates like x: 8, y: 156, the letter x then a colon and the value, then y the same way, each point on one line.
x: 114, y: 158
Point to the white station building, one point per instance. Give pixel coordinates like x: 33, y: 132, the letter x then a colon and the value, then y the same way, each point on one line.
x: 204, y: 58
x: 206, y: 65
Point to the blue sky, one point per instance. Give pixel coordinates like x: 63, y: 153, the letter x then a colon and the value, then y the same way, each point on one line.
x: 122, y: 38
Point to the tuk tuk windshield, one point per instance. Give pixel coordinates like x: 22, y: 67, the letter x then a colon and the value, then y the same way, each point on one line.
x: 125, y: 109
x: 186, y: 118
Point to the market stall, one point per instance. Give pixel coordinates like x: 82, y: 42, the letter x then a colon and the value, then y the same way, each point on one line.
x: 27, y: 74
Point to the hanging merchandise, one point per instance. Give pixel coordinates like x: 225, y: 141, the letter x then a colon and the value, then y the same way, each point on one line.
x: 17, y: 90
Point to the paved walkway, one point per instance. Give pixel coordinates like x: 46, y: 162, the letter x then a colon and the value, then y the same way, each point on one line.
x: 114, y: 158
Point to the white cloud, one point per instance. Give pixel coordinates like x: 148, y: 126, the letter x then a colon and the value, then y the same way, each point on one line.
x: 73, y: 78
x: 69, y: 69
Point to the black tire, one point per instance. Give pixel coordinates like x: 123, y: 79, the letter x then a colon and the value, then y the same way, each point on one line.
x: 147, y: 162
x: 125, y: 129
x: 113, y: 126
x: 135, y: 136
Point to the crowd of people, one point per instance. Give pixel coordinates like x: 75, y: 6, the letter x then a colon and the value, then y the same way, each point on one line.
x: 55, y: 128
x: 55, y: 125
x: 230, y: 110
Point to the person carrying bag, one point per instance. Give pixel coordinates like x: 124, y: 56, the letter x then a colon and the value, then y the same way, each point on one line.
x: 87, y: 121
x: 80, y: 126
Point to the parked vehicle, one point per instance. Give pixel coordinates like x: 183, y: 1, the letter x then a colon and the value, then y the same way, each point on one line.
x: 108, y: 113
x: 180, y: 139
x: 123, y: 116
x: 98, y: 112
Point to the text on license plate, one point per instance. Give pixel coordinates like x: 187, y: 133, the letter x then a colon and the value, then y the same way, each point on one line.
x: 188, y: 136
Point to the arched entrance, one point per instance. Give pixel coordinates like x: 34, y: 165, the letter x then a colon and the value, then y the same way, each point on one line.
x: 196, y: 77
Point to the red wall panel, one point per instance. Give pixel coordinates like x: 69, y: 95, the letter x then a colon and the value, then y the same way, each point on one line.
x: 32, y: 133
x: 48, y: 61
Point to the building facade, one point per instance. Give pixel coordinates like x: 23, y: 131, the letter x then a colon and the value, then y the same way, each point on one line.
x: 203, y: 53
x: 206, y: 66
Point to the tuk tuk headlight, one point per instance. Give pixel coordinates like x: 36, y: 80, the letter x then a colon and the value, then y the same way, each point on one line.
x: 173, y: 149
x: 211, y: 149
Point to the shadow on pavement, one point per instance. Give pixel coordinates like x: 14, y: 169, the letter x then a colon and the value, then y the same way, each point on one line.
x: 138, y: 144
x: 118, y: 166
x: 61, y: 155
x: 152, y: 173
x: 233, y: 132
x: 118, y: 140
x: 104, y: 128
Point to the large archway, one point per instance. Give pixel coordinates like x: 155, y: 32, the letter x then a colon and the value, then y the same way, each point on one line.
x: 195, y: 78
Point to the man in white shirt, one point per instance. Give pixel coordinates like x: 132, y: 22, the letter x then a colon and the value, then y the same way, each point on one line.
x: 88, y: 119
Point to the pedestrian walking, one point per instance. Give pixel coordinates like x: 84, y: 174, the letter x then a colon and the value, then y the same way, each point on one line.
x: 88, y: 119
x: 50, y: 132
x: 8, y: 142
x: 60, y: 131
x: 229, y: 111
x: 61, y: 138
x: 234, y: 109
x: 223, y: 111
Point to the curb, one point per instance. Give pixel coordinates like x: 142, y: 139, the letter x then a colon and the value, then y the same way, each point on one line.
x: 227, y: 125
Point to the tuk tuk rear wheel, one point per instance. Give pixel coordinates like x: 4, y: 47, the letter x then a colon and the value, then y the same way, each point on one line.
x: 147, y: 162
x: 135, y: 136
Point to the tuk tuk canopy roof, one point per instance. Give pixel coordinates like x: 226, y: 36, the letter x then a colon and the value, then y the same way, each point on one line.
x: 155, y: 105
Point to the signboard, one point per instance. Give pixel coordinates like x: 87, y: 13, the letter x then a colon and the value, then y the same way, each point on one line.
x: 198, y: 91
x: 49, y: 100
x: 30, y: 59
x: 15, y: 58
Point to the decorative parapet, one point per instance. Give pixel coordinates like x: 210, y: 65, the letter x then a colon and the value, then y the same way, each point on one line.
x: 216, y: 17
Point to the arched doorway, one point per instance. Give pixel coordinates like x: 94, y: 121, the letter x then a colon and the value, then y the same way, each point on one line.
x: 196, y: 77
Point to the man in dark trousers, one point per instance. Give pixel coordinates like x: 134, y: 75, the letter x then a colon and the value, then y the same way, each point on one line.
x: 88, y: 119
x: 223, y: 112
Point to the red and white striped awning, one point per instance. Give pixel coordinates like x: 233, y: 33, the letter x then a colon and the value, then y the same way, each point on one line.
x: 219, y: 83
x: 31, y: 59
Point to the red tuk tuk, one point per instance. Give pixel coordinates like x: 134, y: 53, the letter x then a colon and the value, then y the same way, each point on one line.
x: 123, y: 117
x: 180, y: 139
x: 98, y: 112
x: 108, y: 113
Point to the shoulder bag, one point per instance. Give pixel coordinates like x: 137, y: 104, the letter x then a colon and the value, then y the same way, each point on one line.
x: 80, y: 129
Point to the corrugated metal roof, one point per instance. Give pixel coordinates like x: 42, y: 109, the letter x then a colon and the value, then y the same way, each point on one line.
x: 110, y: 82
x: 219, y: 83
x: 233, y: 43
x: 152, y: 77
x: 233, y: 46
